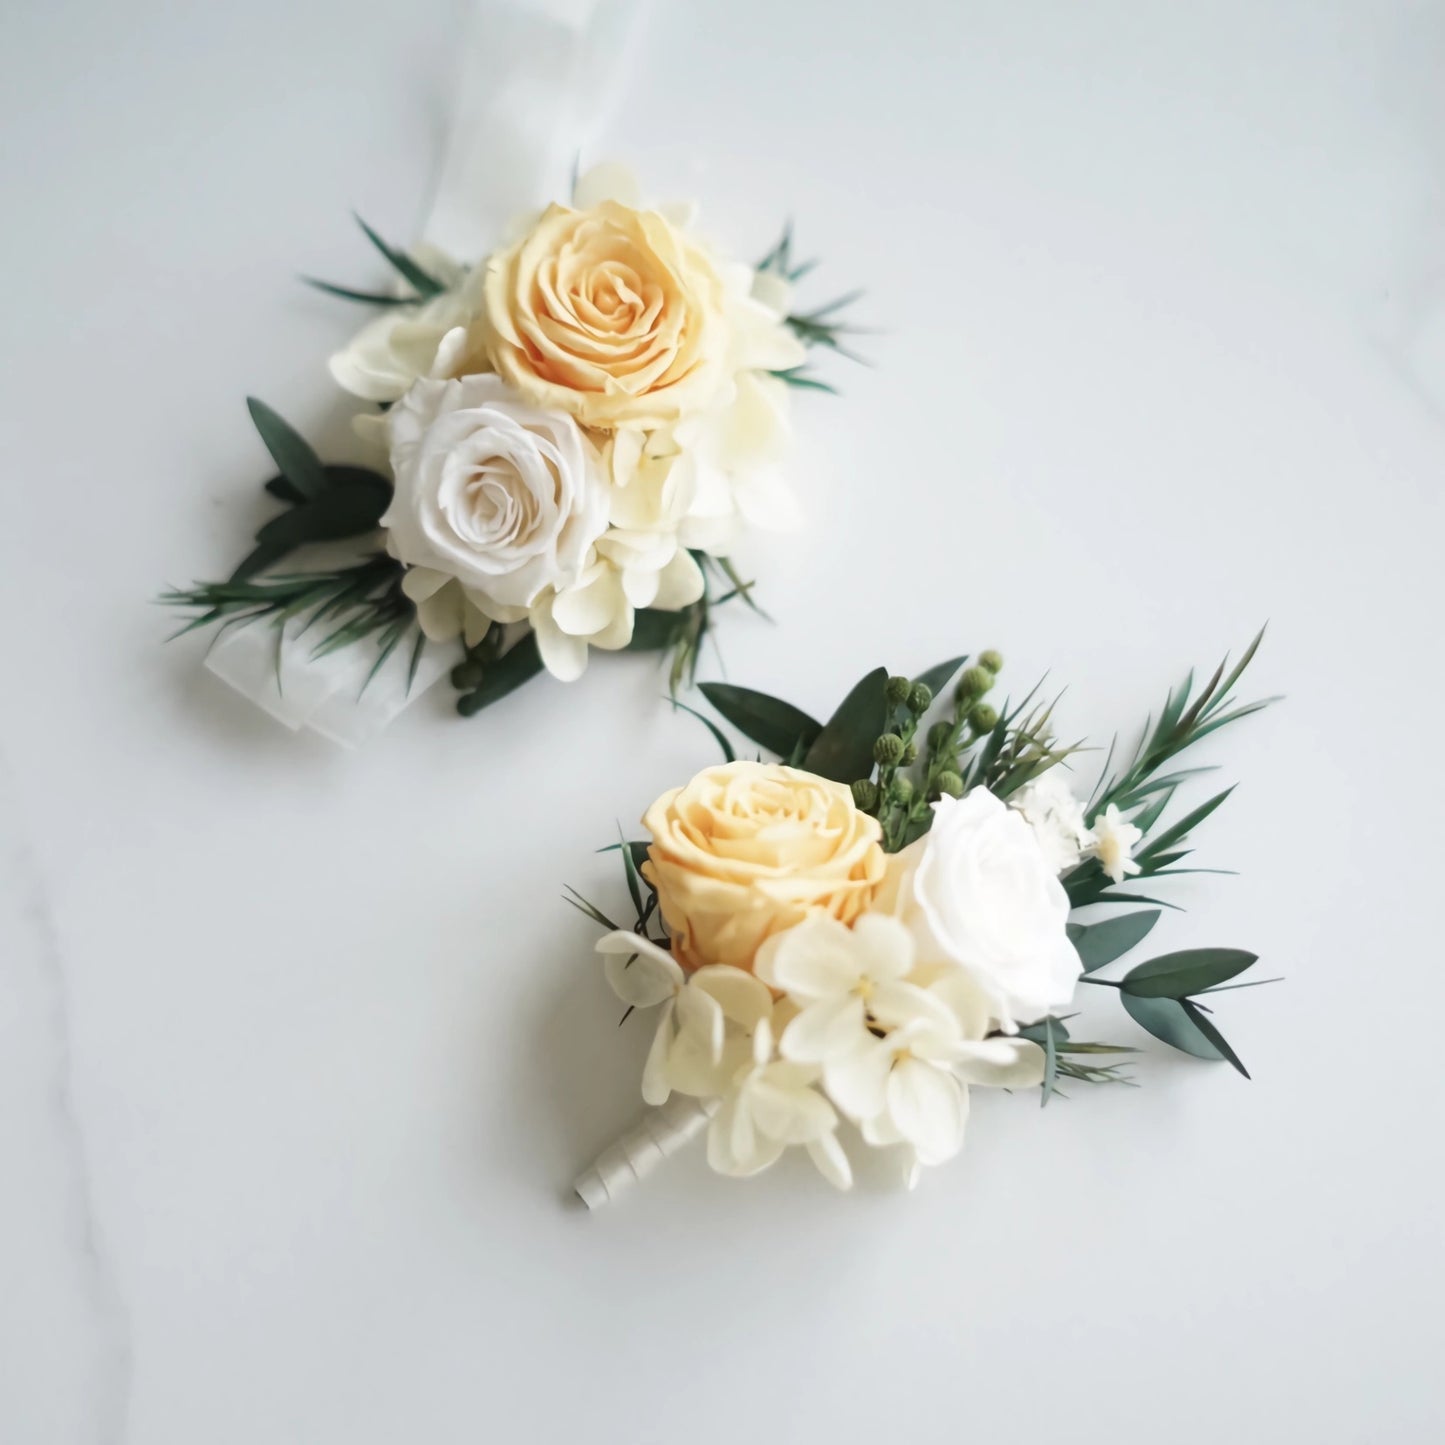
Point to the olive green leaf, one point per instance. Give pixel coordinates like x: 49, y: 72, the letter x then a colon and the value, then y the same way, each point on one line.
x: 290, y: 451
x: 768, y: 721
x: 1190, y: 971
x: 518, y: 665
x: 843, y: 751
x: 1101, y: 943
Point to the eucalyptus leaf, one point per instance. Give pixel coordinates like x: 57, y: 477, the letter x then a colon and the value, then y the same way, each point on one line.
x: 1167, y: 1020
x: 768, y: 721
x: 1101, y: 943
x: 1205, y: 1025
x: 291, y: 452
x: 522, y: 663
x: 843, y: 751
x: 1190, y: 971
x: 425, y: 283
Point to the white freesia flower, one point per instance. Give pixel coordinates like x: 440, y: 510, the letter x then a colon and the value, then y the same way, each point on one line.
x: 842, y: 979
x: 1049, y: 807
x: 399, y: 346
x: 704, y: 1023
x: 772, y: 1104
x: 977, y: 890
x: 898, y: 1047
x: 1113, y: 841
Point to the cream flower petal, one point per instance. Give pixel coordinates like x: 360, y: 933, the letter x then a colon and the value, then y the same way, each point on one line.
x: 896, y: 1005
x: 679, y: 584
x: 743, y: 999
x: 419, y: 583
x: 700, y: 1016
x: 641, y: 973
x: 858, y: 1082
x: 563, y: 655
x: 887, y: 944
x: 736, y: 1148
x: 656, y: 1084
x: 1000, y: 1063
x: 592, y: 605
x: 832, y: 1163
x: 607, y: 181
x: 825, y: 1029
x: 815, y: 960
x: 440, y: 617
x: 929, y: 1109
x: 786, y: 1113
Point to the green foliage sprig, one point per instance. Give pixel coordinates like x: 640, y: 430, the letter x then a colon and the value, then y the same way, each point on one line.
x: 356, y: 602
x: 824, y: 327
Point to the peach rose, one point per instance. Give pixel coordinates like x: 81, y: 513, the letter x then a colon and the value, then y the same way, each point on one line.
x: 609, y: 314
x: 746, y: 850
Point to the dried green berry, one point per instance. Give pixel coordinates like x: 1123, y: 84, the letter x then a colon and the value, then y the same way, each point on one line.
x: 982, y: 718
x: 896, y: 690
x: 974, y: 683
x: 920, y: 698
x: 468, y: 675
x: 888, y: 750
x: 865, y: 795
x: 991, y: 660
x: 950, y: 785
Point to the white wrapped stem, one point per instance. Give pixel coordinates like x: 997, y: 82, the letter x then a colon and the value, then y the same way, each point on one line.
x: 661, y: 1133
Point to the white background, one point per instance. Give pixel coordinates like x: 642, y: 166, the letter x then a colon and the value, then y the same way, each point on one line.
x: 299, y: 1049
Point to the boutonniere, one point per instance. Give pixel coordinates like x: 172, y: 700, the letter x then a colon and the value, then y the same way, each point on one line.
x: 833, y: 948
x: 570, y: 436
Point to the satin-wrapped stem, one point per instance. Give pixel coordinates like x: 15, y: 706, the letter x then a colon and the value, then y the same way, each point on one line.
x: 662, y: 1132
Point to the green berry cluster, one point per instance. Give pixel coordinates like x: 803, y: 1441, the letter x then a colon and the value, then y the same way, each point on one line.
x: 906, y: 780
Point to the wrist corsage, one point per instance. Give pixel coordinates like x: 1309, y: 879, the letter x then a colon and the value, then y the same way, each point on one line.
x: 845, y: 941
x: 570, y: 438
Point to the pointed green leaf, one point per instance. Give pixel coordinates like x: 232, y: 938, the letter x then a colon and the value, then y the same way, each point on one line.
x: 843, y: 751
x: 629, y: 867
x: 1166, y: 1019
x: 426, y: 284
x: 937, y: 677
x: 367, y: 298
x: 291, y: 452
x: 768, y: 721
x: 1101, y: 943
x: 1205, y: 1025
x: 1190, y: 971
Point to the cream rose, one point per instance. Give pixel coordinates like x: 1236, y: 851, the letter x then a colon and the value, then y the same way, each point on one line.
x: 978, y: 891
x: 746, y: 850
x: 611, y: 314
x: 504, y: 498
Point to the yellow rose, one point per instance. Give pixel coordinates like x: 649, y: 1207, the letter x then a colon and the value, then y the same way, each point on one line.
x: 748, y: 849
x: 607, y: 313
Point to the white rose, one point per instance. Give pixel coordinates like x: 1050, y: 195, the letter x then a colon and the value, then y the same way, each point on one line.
x: 504, y: 498
x: 399, y: 346
x: 978, y: 891
x: 1049, y: 807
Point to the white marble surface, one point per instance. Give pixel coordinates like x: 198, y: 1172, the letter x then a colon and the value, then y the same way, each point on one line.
x: 298, y: 1049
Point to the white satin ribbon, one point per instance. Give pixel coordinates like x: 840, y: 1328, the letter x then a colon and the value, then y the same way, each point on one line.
x: 536, y: 82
